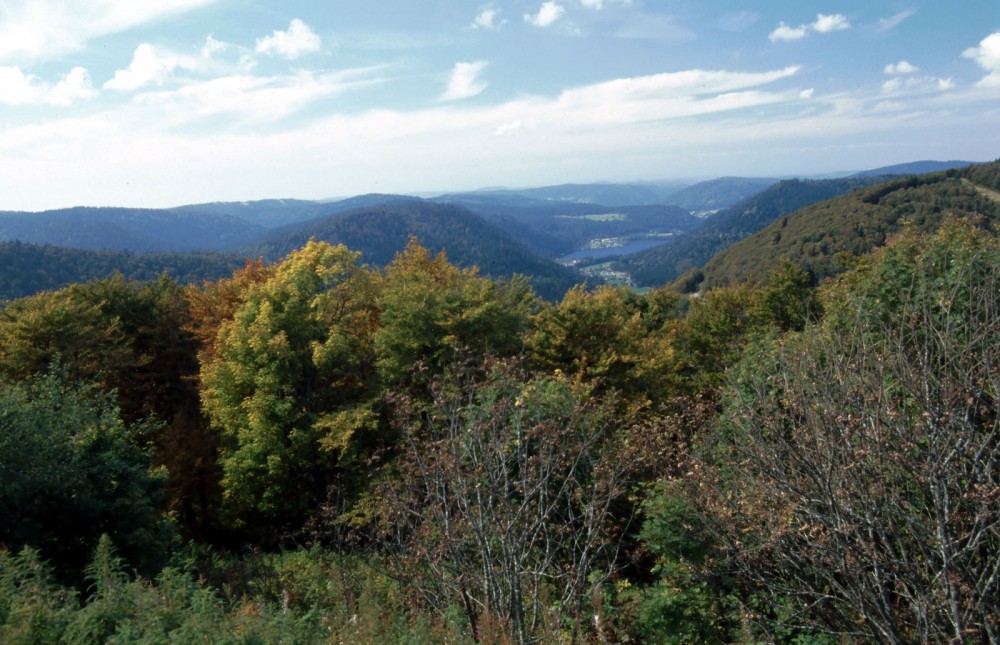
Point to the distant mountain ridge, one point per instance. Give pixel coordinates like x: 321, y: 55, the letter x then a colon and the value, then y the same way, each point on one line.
x: 914, y: 168
x: 717, y: 194
x: 553, y: 229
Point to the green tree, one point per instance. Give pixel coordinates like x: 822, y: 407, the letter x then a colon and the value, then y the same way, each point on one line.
x: 70, y: 471
x: 610, y: 339
x: 432, y: 313
x: 290, y: 387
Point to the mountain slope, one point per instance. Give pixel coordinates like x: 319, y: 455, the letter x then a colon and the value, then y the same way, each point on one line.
x: 816, y: 238
x: 26, y: 269
x: 665, y: 263
x: 380, y: 232
x: 131, y: 229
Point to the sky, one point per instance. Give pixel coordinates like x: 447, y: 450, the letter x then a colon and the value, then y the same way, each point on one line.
x: 156, y: 103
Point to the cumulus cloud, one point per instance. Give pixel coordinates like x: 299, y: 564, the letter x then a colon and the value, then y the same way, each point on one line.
x: 902, y: 67
x: 822, y: 25
x: 19, y: 88
x: 74, y: 86
x: 987, y: 56
x: 464, y: 81
x: 299, y: 39
x: 786, y: 33
x: 547, y: 14
x: 30, y: 29
x: 146, y: 68
x: 835, y: 22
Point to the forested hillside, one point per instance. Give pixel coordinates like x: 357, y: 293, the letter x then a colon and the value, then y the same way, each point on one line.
x: 318, y: 450
x: 128, y: 229
x: 379, y: 232
x: 819, y: 238
x: 26, y: 269
x: 665, y: 263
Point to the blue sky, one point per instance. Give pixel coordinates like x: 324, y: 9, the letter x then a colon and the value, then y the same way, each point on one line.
x: 166, y: 102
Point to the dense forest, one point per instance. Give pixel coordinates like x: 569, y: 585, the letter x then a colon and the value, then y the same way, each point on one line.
x: 317, y: 450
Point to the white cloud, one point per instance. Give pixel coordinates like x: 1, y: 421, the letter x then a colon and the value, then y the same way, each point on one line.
x: 987, y: 56
x: 822, y: 25
x: 548, y: 14
x: 35, y: 29
x: 251, y: 99
x: 76, y: 85
x: 146, y: 68
x: 886, y: 24
x: 298, y: 40
x: 681, y: 123
x: 902, y: 67
x: 18, y: 88
x: 807, y: 94
x: 599, y: 4
x: 488, y: 19
x: 464, y: 81
x: 785, y: 33
x: 835, y: 22
x: 917, y: 85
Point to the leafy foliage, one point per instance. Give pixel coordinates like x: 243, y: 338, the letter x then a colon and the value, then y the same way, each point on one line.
x: 872, y: 443
x: 288, y: 386
x: 69, y: 462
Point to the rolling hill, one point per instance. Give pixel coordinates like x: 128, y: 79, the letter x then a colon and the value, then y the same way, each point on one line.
x: 380, y: 232
x: 26, y: 269
x: 818, y: 237
x: 128, y: 229
x: 665, y: 263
